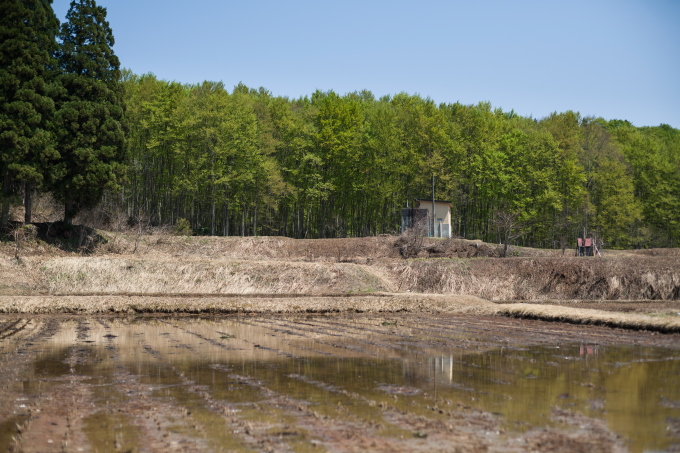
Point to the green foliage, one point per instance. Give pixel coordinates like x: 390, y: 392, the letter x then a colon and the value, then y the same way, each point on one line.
x: 613, y: 210
x: 654, y: 156
x: 330, y: 165
x: 27, y: 47
x: 182, y: 227
x: 90, y: 110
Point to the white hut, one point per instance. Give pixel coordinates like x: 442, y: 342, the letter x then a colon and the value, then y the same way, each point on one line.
x: 440, y: 222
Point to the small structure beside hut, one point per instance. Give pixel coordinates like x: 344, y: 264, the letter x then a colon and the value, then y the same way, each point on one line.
x: 421, y: 216
x: 586, y: 247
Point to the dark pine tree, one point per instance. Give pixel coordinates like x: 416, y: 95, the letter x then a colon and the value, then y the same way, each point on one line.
x: 28, y: 30
x: 91, y: 113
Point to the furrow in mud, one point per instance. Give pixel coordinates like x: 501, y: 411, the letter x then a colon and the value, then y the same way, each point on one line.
x: 12, y: 328
x: 394, y: 382
x: 342, y: 343
x: 17, y: 407
x: 360, y: 422
x: 156, y: 403
x: 253, y: 425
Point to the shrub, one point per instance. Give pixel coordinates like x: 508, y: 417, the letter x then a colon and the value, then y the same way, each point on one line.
x: 183, y: 227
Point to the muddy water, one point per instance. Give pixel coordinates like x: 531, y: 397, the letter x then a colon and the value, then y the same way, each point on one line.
x: 340, y: 383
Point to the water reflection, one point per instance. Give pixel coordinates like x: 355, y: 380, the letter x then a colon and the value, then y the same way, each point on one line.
x: 327, y: 363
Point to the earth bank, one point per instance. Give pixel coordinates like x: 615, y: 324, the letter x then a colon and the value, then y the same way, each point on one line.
x: 168, y: 273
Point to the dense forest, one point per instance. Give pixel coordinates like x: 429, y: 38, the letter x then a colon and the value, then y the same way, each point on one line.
x: 247, y: 162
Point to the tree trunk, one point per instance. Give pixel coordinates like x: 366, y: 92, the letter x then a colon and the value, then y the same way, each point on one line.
x: 212, y: 217
x: 28, y: 203
x: 70, y: 211
x: 255, y: 221
x: 4, y: 215
x: 226, y: 219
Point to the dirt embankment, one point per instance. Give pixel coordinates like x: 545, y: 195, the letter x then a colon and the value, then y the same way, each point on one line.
x: 209, y: 274
x: 545, y: 278
x: 160, y: 264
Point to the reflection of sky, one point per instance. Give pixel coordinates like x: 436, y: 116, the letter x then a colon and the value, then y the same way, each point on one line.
x: 621, y: 385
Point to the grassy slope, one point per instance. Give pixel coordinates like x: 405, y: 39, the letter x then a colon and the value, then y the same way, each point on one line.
x: 208, y: 274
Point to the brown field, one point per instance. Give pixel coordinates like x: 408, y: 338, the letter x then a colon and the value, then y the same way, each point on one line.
x: 336, y: 382
x: 164, y: 273
x: 166, y: 343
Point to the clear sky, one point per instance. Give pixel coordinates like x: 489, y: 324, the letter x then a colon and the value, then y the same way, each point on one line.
x: 619, y: 59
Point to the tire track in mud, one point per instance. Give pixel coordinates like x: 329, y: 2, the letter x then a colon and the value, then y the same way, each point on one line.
x: 357, y: 331
x: 122, y: 414
x: 161, y: 402
x: 336, y: 428
x: 353, y: 334
x: 245, y: 432
x: 75, y: 414
x: 352, y: 337
x: 56, y: 420
x: 304, y: 334
x: 382, y: 345
x: 484, y: 330
x: 12, y: 328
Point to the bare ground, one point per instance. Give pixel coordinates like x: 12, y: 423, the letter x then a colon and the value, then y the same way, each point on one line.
x: 216, y: 265
x: 450, y: 283
x: 135, y: 393
x: 260, y: 274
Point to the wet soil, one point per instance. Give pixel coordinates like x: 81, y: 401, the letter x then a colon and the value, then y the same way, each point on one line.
x: 343, y: 382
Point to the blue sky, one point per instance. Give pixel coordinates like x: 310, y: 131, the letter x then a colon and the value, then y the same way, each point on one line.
x: 611, y: 58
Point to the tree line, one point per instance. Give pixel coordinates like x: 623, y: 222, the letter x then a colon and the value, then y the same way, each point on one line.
x: 247, y: 162
x: 61, y: 106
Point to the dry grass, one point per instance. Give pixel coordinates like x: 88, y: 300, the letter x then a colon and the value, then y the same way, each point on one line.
x: 665, y: 324
x: 379, y: 303
x: 376, y: 303
x: 112, y: 275
x: 641, y: 277
x: 171, y: 274
x: 346, y: 250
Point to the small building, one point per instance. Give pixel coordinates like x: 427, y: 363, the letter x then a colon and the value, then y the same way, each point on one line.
x: 586, y: 247
x: 438, y: 225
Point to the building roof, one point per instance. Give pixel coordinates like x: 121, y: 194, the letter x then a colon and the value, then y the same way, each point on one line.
x: 425, y: 200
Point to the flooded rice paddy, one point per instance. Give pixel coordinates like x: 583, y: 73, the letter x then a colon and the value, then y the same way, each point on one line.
x: 334, y: 383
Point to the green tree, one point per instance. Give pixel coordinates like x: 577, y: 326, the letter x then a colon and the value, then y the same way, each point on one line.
x: 654, y: 154
x: 330, y: 165
x: 91, y: 113
x: 566, y: 131
x: 613, y: 210
x: 27, y: 46
x: 153, y: 110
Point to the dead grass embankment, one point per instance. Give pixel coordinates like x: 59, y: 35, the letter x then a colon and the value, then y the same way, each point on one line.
x: 664, y: 324
x: 378, y: 303
x: 235, y: 275
x: 544, y: 278
x: 112, y: 275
